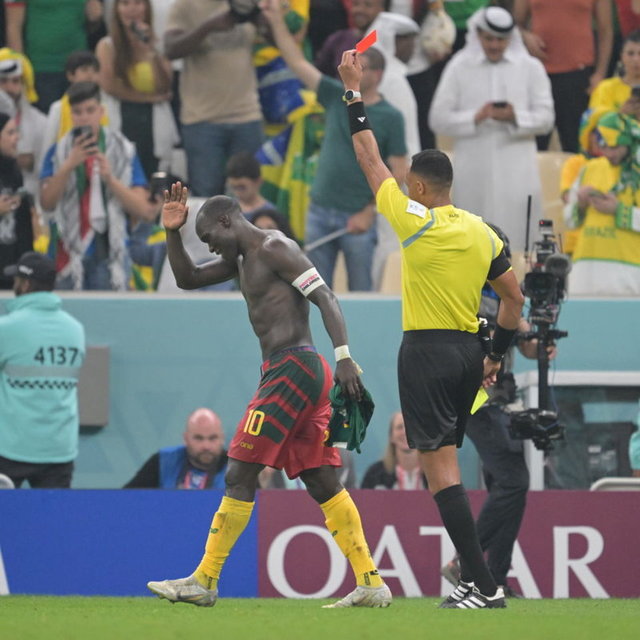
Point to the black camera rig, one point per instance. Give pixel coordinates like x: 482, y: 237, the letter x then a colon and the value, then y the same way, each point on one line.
x: 545, y: 286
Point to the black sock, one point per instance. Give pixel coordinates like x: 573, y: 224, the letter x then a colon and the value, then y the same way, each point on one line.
x: 465, y: 572
x: 458, y: 521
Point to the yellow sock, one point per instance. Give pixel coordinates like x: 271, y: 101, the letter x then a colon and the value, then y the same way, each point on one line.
x: 227, y: 525
x: 343, y: 521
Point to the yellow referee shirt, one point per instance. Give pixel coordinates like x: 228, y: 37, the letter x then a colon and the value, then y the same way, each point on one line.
x: 446, y: 255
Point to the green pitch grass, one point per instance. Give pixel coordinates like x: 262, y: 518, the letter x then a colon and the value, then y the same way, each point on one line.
x: 76, y: 618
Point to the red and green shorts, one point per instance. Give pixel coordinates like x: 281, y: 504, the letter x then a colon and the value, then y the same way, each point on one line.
x: 285, y: 424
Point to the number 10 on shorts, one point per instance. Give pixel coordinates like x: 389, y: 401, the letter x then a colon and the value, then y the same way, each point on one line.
x: 253, y: 425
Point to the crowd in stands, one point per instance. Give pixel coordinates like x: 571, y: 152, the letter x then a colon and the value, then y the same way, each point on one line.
x: 100, y: 97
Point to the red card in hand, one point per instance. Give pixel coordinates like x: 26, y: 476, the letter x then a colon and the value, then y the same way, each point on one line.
x: 367, y: 41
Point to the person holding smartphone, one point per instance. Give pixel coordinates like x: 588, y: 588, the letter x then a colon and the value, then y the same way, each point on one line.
x: 137, y: 80
x: 493, y: 99
x: 91, y: 183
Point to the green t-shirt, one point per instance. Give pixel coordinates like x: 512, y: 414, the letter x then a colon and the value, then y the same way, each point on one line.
x: 461, y: 10
x: 52, y: 30
x: 339, y: 182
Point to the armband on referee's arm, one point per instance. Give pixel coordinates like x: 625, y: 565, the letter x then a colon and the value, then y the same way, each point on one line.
x: 501, y: 342
x: 499, y: 265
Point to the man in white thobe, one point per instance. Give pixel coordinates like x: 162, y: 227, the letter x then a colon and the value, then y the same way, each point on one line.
x: 493, y: 99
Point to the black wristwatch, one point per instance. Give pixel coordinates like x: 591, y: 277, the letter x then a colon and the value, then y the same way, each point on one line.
x: 496, y: 357
x: 350, y: 95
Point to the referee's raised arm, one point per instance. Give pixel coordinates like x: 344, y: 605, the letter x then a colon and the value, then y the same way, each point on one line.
x: 364, y: 142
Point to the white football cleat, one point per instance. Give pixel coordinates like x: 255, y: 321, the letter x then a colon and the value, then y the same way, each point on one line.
x: 375, y: 597
x: 187, y: 590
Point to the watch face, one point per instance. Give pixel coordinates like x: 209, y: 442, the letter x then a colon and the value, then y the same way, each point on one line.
x: 349, y: 95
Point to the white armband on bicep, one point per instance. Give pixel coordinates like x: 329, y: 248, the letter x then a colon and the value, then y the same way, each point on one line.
x: 308, y: 281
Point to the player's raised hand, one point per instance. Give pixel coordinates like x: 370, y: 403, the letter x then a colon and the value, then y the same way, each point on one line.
x: 174, y: 209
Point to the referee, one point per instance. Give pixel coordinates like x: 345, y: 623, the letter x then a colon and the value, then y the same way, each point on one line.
x: 447, y: 255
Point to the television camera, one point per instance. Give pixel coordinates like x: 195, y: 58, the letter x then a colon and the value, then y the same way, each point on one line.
x: 545, y: 286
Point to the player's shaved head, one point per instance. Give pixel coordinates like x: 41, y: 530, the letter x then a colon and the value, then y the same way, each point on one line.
x: 216, y: 208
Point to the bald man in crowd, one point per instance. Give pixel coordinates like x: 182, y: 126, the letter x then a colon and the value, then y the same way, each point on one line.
x: 199, y: 463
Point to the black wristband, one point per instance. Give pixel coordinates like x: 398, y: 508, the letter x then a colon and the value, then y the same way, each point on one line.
x: 502, y: 340
x: 358, y: 120
x: 495, y: 357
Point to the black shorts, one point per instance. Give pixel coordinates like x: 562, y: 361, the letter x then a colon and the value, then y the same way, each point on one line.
x: 439, y: 374
x: 40, y: 475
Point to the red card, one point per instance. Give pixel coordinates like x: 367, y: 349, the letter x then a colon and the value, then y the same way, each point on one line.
x: 367, y: 41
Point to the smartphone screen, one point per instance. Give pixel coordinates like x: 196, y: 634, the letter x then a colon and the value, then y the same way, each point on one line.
x: 84, y: 130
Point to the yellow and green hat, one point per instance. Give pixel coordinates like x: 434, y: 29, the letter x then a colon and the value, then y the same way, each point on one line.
x: 614, y: 130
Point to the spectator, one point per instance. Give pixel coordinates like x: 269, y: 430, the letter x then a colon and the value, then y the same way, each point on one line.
x: 400, y: 466
x: 325, y: 18
x: 282, y: 96
x: 628, y: 12
x: 16, y: 79
x: 198, y: 464
x: 17, y: 214
x: 562, y: 36
x: 81, y: 66
x: 294, y: 121
x: 493, y: 99
x: 589, y: 148
x: 622, y: 93
x: 42, y: 349
x: 362, y: 14
x: 430, y: 52
x: 137, y: 78
x: 244, y: 181
x: 269, y: 218
x: 91, y: 179
x: 217, y: 51
x: 460, y: 11
x: 338, y: 205
x: 396, y: 41
x: 601, y: 205
x: 47, y: 32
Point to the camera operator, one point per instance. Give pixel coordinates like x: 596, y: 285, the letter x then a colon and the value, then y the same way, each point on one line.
x: 504, y: 468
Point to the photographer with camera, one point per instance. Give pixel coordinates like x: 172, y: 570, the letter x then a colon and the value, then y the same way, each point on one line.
x: 505, y: 471
x: 91, y: 181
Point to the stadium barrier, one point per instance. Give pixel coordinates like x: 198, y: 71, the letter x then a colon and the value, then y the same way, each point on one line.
x: 88, y: 542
